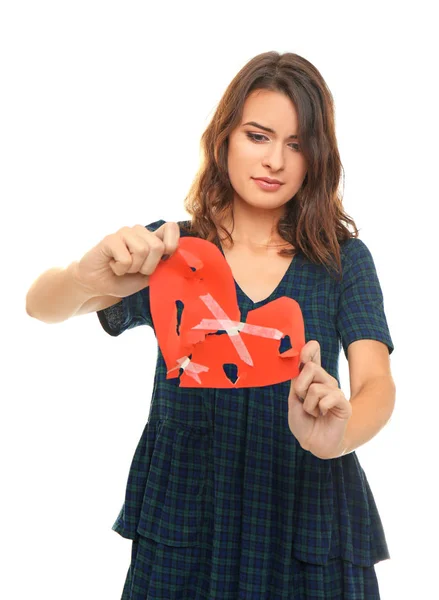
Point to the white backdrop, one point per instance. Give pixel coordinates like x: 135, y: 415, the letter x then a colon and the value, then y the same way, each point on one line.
x: 102, y: 108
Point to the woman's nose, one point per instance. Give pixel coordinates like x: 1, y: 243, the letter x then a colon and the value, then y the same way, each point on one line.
x: 274, y: 158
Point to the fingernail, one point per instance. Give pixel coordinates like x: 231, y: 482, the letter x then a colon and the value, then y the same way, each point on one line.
x: 165, y: 256
x: 301, y: 399
x: 301, y: 366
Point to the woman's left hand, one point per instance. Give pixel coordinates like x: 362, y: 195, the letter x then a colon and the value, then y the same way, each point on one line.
x: 313, y: 391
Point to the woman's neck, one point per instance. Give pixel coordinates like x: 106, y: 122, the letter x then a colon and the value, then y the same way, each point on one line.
x: 254, y: 228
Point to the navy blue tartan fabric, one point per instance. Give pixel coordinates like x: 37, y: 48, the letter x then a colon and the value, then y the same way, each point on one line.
x: 221, y: 501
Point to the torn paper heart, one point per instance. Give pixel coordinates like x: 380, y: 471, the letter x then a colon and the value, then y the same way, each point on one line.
x: 198, y: 324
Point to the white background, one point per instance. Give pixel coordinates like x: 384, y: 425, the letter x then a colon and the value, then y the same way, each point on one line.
x: 102, y: 108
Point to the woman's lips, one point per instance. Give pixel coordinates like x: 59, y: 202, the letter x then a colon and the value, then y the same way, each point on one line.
x: 268, y: 187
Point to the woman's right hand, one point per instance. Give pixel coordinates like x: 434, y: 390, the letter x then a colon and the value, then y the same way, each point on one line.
x: 120, y: 265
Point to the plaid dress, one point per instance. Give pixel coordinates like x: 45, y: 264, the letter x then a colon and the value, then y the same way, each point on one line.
x: 221, y: 500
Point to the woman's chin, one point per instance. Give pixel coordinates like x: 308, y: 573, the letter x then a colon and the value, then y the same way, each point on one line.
x: 261, y: 203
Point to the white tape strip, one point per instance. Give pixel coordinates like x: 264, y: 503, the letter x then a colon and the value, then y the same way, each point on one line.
x: 191, y: 259
x: 184, y: 362
x: 214, y: 324
x: 189, y: 367
x: 224, y: 321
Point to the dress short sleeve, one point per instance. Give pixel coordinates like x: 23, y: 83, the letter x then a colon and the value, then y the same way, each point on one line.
x: 361, y: 312
x: 131, y: 311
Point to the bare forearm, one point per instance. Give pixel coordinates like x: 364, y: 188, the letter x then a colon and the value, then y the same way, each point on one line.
x: 372, y: 408
x: 56, y: 295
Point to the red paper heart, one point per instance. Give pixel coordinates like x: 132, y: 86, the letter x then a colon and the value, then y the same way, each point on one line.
x: 198, y: 277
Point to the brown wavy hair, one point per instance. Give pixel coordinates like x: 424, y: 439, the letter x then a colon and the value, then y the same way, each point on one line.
x: 314, y: 220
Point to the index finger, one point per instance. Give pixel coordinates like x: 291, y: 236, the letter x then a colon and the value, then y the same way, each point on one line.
x: 311, y: 353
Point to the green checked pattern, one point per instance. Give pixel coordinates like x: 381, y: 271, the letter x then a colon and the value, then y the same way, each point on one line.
x: 221, y: 500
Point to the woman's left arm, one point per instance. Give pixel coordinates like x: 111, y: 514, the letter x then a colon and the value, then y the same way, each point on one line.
x: 373, y: 392
x: 324, y: 422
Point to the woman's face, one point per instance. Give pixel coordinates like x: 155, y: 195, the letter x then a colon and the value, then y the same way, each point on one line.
x: 254, y: 152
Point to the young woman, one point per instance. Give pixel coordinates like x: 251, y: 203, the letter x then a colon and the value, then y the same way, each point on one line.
x: 254, y: 492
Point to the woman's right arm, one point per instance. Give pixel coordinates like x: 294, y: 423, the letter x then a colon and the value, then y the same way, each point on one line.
x: 57, y: 295
x: 117, y: 267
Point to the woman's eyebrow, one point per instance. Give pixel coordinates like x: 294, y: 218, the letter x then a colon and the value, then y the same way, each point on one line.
x: 290, y: 137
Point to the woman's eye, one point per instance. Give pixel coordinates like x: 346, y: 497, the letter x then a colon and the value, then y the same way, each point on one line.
x: 253, y: 137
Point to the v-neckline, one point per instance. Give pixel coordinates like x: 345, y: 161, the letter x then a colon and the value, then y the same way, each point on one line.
x: 239, y: 289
